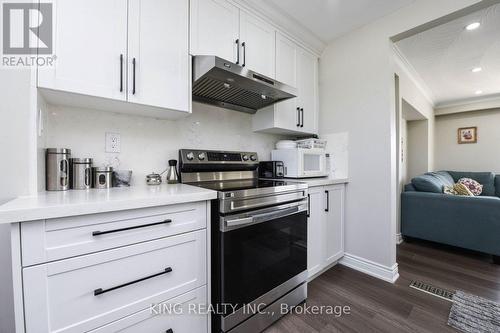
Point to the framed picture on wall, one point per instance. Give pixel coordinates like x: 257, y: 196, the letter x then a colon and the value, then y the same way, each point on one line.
x: 467, y: 135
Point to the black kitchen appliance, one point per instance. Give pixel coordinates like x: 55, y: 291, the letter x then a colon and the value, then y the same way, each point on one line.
x: 258, y: 239
x: 271, y: 169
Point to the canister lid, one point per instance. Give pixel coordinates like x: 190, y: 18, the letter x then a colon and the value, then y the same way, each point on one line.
x: 81, y: 160
x: 58, y: 151
x: 102, y: 169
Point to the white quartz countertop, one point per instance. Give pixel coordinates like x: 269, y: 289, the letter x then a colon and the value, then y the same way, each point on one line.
x: 322, y: 181
x: 47, y: 205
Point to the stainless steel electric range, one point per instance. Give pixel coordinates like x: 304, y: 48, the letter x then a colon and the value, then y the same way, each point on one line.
x: 259, y: 239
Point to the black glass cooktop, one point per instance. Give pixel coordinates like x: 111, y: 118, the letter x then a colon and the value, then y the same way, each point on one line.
x: 245, y: 184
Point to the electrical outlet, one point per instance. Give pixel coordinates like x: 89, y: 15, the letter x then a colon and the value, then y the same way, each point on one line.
x: 112, y: 143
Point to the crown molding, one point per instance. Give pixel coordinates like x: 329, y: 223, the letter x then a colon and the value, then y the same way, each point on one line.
x: 285, y: 23
x: 414, y: 76
x: 469, y: 104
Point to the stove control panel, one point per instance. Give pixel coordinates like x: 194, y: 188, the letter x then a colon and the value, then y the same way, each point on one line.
x: 194, y: 156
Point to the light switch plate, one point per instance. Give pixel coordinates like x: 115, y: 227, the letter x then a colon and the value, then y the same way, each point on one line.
x: 113, y: 142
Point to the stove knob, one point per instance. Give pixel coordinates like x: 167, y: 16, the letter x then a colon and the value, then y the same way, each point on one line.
x: 245, y: 157
x: 253, y: 158
x: 201, y: 156
x: 190, y: 156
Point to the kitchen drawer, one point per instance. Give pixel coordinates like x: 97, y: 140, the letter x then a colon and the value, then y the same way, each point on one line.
x: 83, y: 293
x: 180, y: 320
x: 55, y: 239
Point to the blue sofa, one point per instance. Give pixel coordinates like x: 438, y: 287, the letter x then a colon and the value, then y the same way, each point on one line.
x: 467, y: 222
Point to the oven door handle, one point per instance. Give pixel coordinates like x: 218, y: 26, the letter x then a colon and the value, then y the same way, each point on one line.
x: 263, y: 217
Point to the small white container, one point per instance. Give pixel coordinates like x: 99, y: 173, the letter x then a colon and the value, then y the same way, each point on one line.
x: 286, y: 144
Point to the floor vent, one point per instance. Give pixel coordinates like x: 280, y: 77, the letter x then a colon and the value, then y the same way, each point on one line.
x: 432, y: 290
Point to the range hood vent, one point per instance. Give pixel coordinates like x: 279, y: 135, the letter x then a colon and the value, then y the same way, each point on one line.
x: 225, y: 84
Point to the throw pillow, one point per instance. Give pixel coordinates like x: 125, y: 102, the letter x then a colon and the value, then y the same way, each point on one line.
x: 458, y: 189
x: 472, y: 185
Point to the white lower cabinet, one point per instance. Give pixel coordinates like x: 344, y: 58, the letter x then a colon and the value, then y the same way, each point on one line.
x: 325, y: 231
x: 183, y: 314
x: 112, y: 289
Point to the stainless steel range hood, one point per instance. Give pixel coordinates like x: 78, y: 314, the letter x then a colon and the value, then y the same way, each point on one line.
x: 225, y: 84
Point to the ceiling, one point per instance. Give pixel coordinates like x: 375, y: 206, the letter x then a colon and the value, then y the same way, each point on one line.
x: 329, y: 19
x: 444, y: 57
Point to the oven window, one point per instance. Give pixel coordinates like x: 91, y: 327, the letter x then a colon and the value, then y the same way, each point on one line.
x: 260, y: 257
x: 312, y: 162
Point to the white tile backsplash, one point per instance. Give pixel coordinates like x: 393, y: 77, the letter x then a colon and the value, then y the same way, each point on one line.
x: 146, y: 143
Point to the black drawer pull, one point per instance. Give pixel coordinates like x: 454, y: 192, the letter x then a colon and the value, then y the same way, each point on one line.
x: 97, y: 233
x: 133, y: 76
x: 101, y: 291
x: 121, y: 72
x: 237, y: 62
x: 170, y: 331
x: 308, y: 205
x: 327, y: 209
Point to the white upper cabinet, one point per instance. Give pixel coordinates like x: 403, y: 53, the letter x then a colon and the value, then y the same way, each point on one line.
x: 158, y: 55
x: 221, y: 29
x: 257, y: 44
x: 215, y: 29
x: 91, y: 49
x: 298, y: 68
x: 307, y: 85
x: 286, y: 60
x: 133, y: 53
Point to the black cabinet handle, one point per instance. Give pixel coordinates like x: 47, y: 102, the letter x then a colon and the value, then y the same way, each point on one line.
x: 169, y: 331
x: 302, y: 117
x: 237, y: 51
x: 244, y: 46
x: 121, y: 72
x: 327, y: 209
x: 97, y: 233
x: 133, y: 76
x: 298, y: 117
x: 101, y: 291
x: 308, y: 205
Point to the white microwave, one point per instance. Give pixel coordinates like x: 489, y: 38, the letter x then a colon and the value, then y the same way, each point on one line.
x: 302, y: 163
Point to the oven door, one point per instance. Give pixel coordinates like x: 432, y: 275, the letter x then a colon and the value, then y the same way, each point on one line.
x: 264, y: 256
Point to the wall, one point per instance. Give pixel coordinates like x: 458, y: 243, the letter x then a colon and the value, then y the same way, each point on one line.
x: 357, y: 96
x: 483, y: 156
x: 146, y: 143
x: 417, y: 156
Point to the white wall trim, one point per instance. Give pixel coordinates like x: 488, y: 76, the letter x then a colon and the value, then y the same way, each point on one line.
x: 413, y: 75
x: 399, y: 238
x: 388, y: 274
x: 467, y: 105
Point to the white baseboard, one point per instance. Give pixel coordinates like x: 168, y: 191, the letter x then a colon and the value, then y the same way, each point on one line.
x: 399, y: 238
x: 389, y: 274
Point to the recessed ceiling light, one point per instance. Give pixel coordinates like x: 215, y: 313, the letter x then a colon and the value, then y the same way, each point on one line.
x: 479, y: 92
x: 476, y: 69
x: 473, y: 26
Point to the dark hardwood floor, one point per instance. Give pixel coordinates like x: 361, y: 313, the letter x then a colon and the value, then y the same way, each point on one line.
x: 378, y: 306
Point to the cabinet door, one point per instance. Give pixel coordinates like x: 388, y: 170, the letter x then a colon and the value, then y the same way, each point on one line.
x: 158, y: 57
x: 258, y: 45
x: 214, y: 28
x: 90, y: 45
x: 315, y: 234
x: 286, y: 60
x: 286, y: 114
x: 307, y: 82
x: 334, y: 223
